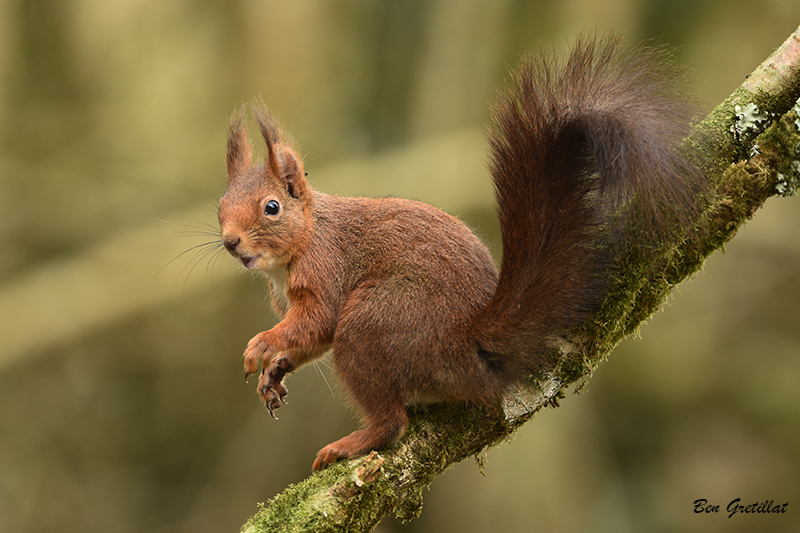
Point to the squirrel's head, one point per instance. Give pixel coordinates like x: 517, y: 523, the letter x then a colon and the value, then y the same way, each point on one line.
x: 264, y: 215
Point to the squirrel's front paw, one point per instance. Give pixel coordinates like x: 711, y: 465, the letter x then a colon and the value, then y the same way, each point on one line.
x: 270, y: 388
x: 255, y: 354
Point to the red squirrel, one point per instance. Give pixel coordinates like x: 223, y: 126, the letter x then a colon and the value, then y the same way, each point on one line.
x: 582, y: 156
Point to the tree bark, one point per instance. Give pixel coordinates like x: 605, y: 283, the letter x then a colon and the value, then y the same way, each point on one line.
x: 750, y: 146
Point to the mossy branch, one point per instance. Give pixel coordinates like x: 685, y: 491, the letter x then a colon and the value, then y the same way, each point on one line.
x: 751, y: 147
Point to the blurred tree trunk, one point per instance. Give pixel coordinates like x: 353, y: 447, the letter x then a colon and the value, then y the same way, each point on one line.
x: 751, y: 150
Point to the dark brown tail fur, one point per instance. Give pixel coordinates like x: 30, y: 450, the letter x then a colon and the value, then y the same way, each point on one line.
x: 581, y: 155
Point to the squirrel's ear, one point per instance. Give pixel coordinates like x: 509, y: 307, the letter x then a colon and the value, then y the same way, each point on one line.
x: 282, y: 161
x: 238, y: 156
x: 291, y: 172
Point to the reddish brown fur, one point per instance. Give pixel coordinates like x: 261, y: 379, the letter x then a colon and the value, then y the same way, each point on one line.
x: 408, y: 298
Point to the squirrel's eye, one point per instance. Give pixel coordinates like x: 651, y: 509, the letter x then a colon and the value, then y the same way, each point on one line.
x: 272, y: 207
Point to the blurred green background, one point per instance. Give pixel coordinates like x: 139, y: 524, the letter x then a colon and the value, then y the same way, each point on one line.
x: 122, y: 405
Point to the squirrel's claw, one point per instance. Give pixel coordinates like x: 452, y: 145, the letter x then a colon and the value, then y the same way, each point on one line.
x: 272, y: 391
x: 271, y: 406
x: 272, y: 400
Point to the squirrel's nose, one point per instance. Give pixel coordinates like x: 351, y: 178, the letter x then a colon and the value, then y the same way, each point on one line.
x: 231, y: 242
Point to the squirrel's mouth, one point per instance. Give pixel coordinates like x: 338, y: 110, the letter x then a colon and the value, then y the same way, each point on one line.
x: 248, y: 261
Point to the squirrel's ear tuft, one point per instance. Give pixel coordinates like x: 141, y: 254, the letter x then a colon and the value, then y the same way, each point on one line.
x: 271, y: 133
x: 239, y: 152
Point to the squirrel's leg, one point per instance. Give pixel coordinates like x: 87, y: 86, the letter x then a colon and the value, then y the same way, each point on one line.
x: 305, y: 333
x: 384, y: 427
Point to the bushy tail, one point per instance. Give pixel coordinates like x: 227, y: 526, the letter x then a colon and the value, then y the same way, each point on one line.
x: 581, y: 154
